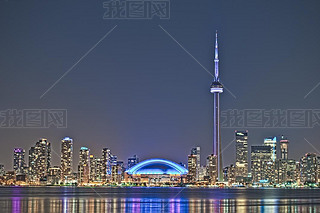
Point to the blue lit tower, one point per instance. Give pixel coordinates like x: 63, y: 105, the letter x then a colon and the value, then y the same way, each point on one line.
x: 217, y: 88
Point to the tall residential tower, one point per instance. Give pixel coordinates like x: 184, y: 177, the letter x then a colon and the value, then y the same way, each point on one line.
x: 272, y: 142
x: 284, y: 145
x: 84, y: 165
x: 241, y: 153
x: 217, y: 88
x: 18, y: 161
x: 66, y: 158
x: 196, y: 152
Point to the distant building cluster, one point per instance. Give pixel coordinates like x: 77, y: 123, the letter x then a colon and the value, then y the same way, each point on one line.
x: 39, y: 170
x: 267, y: 167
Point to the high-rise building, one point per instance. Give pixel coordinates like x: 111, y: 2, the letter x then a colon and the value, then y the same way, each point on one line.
x: 84, y: 166
x: 95, y: 169
x: 280, y: 171
x: 272, y: 142
x: 43, y: 148
x: 261, y: 163
x: 229, y: 174
x: 285, y: 171
x: 114, y: 160
x: 284, y: 146
x: 106, y: 164
x: 217, y: 88
x: 117, y: 172
x: 202, y: 173
x: 212, y: 168
x: 39, y: 160
x: 2, y: 170
x: 32, y: 165
x: 196, y: 152
x: 298, y: 175
x: 98, y: 170
x: 66, y: 159
x: 18, y: 161
x: 291, y: 173
x: 308, y: 168
x: 241, y: 169
x: 192, y: 168
x: 92, y: 168
x: 132, y: 161
x: 54, y: 176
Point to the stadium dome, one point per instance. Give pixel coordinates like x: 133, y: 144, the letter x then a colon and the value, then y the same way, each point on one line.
x: 157, y: 167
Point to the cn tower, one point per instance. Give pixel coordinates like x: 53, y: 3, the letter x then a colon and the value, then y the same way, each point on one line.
x: 217, y: 88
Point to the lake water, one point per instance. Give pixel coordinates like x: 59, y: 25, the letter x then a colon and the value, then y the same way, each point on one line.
x: 64, y: 199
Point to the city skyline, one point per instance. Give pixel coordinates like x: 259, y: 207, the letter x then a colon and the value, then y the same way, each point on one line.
x: 267, y: 167
x: 232, y: 149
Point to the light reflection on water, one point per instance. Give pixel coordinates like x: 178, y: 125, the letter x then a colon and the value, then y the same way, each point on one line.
x: 156, y: 200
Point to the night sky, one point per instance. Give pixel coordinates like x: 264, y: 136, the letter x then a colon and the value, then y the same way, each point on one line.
x: 138, y: 91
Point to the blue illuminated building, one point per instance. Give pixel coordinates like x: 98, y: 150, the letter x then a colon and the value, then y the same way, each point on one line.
x: 157, y: 166
x: 156, y: 171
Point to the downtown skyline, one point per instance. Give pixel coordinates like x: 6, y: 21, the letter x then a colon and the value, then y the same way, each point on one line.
x: 270, y: 165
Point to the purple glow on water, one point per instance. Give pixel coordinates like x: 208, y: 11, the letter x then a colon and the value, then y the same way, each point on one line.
x: 136, y: 205
x: 55, y: 200
x: 16, y: 204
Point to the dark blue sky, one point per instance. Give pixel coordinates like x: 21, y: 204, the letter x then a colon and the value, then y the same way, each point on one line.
x: 138, y: 92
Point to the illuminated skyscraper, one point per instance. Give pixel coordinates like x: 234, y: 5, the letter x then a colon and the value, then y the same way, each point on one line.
x: 98, y: 169
x: 32, y: 164
x: 95, y: 169
x: 39, y: 160
x: 272, y: 142
x: 92, y: 168
x: 192, y: 168
x: 261, y: 163
x: 114, y: 160
x: 285, y: 171
x: 117, y: 172
x: 132, y: 161
x: 18, y: 161
x: 229, y: 174
x: 66, y: 158
x: 241, y: 154
x: 217, y: 88
x: 196, y: 152
x: 106, y: 164
x: 84, y: 166
x: 212, y: 168
x: 284, y: 145
x: 308, y: 168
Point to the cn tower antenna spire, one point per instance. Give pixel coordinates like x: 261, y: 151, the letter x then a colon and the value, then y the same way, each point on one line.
x: 216, y: 59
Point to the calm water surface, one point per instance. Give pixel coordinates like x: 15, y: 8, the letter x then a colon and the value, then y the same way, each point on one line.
x: 63, y: 199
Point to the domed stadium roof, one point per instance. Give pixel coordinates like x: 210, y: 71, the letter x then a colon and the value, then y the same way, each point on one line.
x: 157, y: 166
